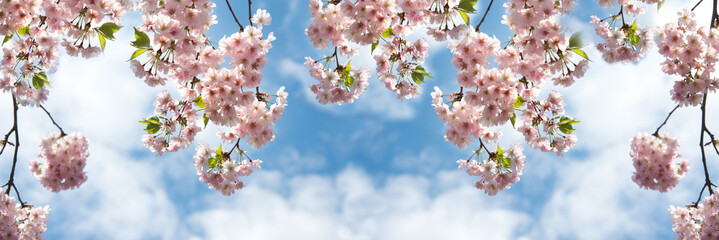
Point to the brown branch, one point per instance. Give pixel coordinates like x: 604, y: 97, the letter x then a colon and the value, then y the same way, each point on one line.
x: 476, y: 29
x: 665, y: 120
x: 62, y: 133
x: 234, y: 16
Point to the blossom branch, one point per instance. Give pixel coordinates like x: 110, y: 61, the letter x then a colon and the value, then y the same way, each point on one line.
x: 234, y: 16
x: 11, y: 180
x: 656, y: 133
x: 707, y: 180
x: 249, y: 11
x: 62, y: 133
x: 484, y: 16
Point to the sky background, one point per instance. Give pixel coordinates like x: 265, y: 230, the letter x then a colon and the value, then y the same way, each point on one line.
x: 375, y: 169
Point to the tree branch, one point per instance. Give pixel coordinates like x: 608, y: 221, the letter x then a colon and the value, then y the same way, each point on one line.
x: 62, y: 133
x: 234, y: 16
x: 665, y: 120
x: 707, y: 180
x: 10, y: 183
x: 476, y: 29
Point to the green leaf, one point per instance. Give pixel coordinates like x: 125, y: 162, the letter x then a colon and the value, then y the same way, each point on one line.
x: 39, y: 80
x: 465, y: 17
x: 660, y: 4
x: 575, y: 41
x: 520, y: 101
x: 374, y: 45
x: 153, y: 124
x: 219, y: 151
x: 387, y: 32
x: 109, y: 29
x: 7, y: 38
x: 419, y: 73
x: 200, y: 103
x: 205, y: 119
x: 634, y: 25
x: 581, y: 53
x: 467, y: 5
x: 565, y: 124
x: 137, y: 53
x: 23, y: 30
x: 213, y: 161
x: 513, y: 119
x: 101, y: 37
x: 499, y: 151
x: 141, y: 40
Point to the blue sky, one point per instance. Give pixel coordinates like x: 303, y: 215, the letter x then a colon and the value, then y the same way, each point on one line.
x: 375, y: 169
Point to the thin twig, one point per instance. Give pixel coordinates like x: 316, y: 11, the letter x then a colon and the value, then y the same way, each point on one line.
x: 234, y: 16
x: 665, y: 120
x: 249, y: 11
x: 707, y: 180
x: 62, y: 133
x: 695, y: 6
x: 484, y: 16
x: 10, y: 181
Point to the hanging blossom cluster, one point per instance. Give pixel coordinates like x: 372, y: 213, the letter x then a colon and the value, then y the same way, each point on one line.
x: 33, y: 30
x: 226, y: 96
x: 19, y: 221
x: 490, y: 97
x: 64, y: 158
x: 497, y: 172
x: 691, y: 53
x: 654, y: 161
x: 220, y: 172
x: 374, y: 23
x: 623, y: 42
x: 700, y: 221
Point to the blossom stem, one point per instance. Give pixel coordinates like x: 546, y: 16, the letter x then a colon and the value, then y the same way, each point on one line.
x: 10, y: 182
x: 695, y: 6
x: 249, y: 11
x: 665, y: 120
x: 234, y: 16
x: 476, y: 29
x: 707, y: 180
x: 62, y: 133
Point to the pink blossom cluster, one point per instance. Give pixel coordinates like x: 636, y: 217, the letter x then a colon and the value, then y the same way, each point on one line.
x: 623, y: 43
x: 255, y: 119
x: 498, y: 172
x: 691, y: 53
x: 220, y: 172
x: 64, y: 161
x: 444, y: 12
x: 540, y: 112
x: 699, y: 221
x: 21, y: 222
x: 463, y: 120
x: 227, y: 96
x: 172, y: 114
x: 366, y: 22
x: 178, y: 29
x: 407, y: 57
x: 37, y: 27
x: 654, y: 161
x: 339, y: 85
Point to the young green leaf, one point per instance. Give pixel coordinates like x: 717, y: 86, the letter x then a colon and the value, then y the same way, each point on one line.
x: 7, y: 38
x: 199, y: 102
x: 23, y: 30
x: 581, y: 53
x: 137, y: 53
x: 513, y: 119
x: 387, y: 32
x: 109, y: 29
x: 520, y: 101
x: 141, y: 40
x: 467, y: 5
x: 575, y: 41
x: 465, y: 17
x: 205, y: 119
x: 374, y: 45
x: 660, y: 4
x: 101, y: 37
x: 39, y: 80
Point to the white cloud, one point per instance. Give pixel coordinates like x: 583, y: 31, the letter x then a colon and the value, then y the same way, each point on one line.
x: 352, y: 206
